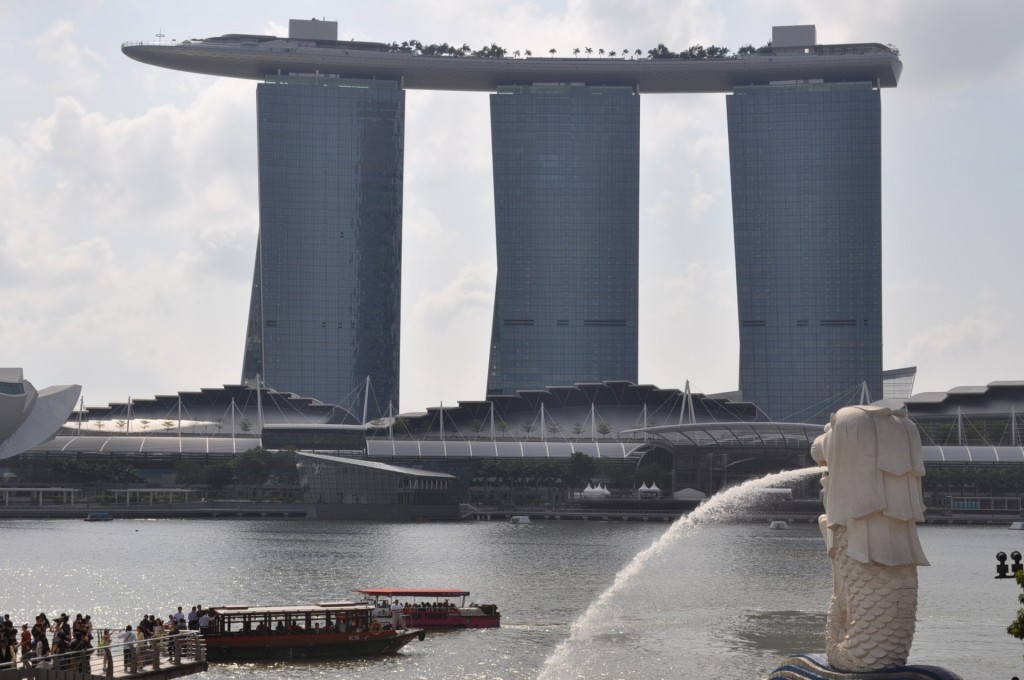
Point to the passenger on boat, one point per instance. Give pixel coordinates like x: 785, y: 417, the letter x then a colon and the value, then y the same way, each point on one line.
x: 396, y: 616
x: 280, y: 627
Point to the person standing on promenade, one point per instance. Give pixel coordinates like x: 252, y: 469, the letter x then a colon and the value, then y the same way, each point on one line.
x: 204, y: 622
x: 26, y: 640
x: 6, y: 653
x: 173, y: 631
x: 104, y: 645
x: 80, y: 660
x: 128, y: 639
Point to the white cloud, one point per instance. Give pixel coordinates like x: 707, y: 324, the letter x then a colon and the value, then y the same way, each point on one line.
x: 130, y: 207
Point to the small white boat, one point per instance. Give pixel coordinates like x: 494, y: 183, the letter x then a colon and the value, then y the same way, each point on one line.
x: 1016, y: 525
x: 520, y: 519
x: 778, y: 524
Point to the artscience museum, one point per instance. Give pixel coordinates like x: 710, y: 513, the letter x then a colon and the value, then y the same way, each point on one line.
x: 29, y: 417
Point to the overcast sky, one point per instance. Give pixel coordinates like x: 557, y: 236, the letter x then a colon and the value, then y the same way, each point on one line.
x: 128, y: 195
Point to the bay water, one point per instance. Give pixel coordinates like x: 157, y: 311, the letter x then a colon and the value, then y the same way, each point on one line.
x: 722, y: 600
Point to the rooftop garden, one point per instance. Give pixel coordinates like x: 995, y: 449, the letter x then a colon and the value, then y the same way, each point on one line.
x: 496, y: 51
x: 660, y: 52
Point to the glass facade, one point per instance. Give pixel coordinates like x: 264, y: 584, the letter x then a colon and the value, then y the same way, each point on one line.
x: 806, y: 194
x: 566, y: 202
x: 326, y: 298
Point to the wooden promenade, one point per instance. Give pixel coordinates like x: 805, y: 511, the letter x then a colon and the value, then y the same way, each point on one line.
x: 186, y: 657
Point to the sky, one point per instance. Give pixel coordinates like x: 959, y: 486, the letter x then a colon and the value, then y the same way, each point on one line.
x: 129, y: 207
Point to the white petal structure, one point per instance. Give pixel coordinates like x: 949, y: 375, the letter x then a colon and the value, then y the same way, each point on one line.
x: 29, y: 417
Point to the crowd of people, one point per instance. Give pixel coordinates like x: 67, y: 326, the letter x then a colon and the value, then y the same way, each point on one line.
x: 48, y: 644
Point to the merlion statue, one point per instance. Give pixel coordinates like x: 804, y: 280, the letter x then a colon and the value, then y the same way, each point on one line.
x: 872, y: 503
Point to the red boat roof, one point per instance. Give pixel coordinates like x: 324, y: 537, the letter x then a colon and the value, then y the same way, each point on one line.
x: 413, y: 592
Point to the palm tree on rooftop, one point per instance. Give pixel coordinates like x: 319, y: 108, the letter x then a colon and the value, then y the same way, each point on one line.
x: 516, y: 54
x: 552, y: 51
x: 529, y: 54
x: 625, y: 52
x: 612, y: 53
x: 637, y: 53
x: 575, y: 51
x: 590, y: 50
x: 600, y: 52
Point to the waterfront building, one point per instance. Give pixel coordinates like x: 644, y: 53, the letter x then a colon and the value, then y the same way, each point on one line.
x: 335, y: 487
x: 326, y: 297
x: 566, y: 202
x: 805, y: 162
x: 804, y: 144
x: 29, y: 417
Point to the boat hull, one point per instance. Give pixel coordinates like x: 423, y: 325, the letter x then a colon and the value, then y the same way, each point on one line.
x: 273, y: 647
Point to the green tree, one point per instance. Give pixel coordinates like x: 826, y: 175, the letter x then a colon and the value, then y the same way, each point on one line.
x: 144, y: 424
x: 121, y: 424
x: 220, y: 475
x: 283, y: 468
x: 1016, y: 627
x: 604, y: 429
x: 577, y: 429
x: 168, y: 424
x: 552, y: 51
x: 477, y: 426
x: 581, y: 468
x: 189, y: 473
x: 245, y: 425
x: 252, y: 467
x: 502, y: 427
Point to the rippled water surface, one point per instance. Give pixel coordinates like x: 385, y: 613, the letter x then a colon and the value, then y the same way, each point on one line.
x: 725, y: 600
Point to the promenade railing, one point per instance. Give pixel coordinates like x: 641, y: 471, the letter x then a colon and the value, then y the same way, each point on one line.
x: 118, y: 659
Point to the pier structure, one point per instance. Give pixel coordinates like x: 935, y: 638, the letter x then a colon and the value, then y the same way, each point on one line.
x: 154, y: 659
x: 324, y: 311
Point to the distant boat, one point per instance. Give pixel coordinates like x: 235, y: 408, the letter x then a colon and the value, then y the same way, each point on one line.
x: 433, y: 610
x: 520, y: 519
x: 98, y: 517
x: 778, y: 524
x: 1017, y: 525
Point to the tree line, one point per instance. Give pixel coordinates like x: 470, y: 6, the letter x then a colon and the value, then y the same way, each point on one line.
x: 497, y: 52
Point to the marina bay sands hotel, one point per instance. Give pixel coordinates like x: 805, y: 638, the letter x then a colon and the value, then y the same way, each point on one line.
x: 804, y: 126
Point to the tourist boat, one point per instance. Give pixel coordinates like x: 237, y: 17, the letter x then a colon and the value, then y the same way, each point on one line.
x: 99, y: 517
x: 1017, y: 526
x: 519, y: 519
x: 432, y: 608
x: 324, y: 630
x: 778, y: 524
